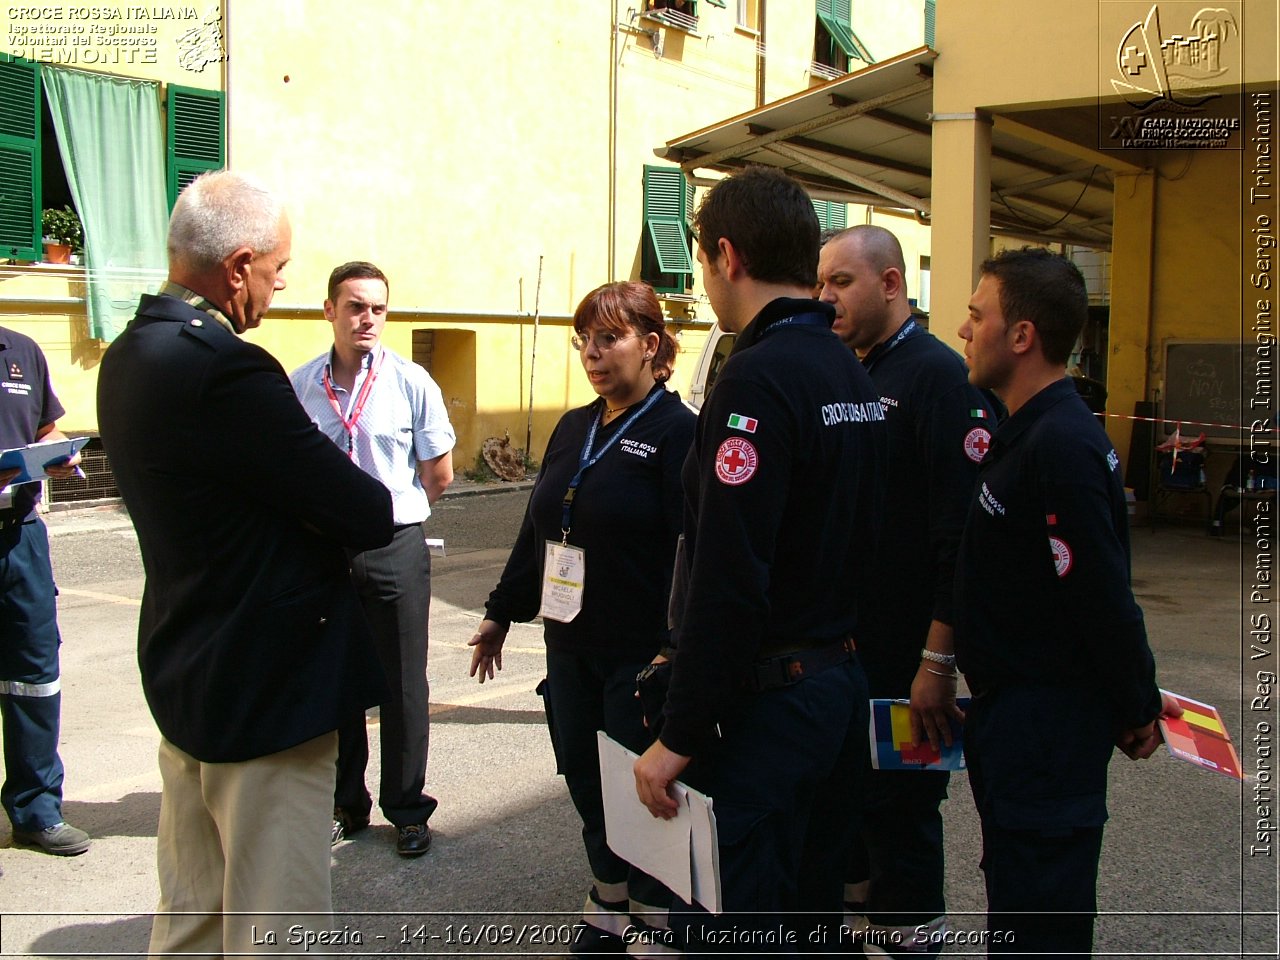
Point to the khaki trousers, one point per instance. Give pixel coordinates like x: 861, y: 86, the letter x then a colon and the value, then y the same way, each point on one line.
x: 243, y: 851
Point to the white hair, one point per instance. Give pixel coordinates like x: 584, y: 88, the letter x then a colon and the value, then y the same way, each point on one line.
x: 219, y: 212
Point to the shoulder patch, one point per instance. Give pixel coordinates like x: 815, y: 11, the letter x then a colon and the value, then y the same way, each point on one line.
x: 746, y: 424
x: 1061, y: 556
x: 736, y: 461
x: 976, y: 443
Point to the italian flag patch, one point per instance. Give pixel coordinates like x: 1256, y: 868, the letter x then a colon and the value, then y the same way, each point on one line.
x: 978, y: 413
x: 746, y: 424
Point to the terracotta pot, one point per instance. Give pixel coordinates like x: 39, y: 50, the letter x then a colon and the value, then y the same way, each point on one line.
x: 56, y: 252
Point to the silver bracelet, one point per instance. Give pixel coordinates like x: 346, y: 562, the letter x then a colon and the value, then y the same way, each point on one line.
x: 946, y: 659
x: 939, y: 673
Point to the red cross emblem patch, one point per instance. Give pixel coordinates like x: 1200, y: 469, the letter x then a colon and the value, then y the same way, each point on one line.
x: 1061, y: 556
x: 976, y: 443
x: 736, y: 461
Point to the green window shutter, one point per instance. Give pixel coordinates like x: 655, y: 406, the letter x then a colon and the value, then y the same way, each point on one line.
x: 19, y: 159
x: 842, y: 34
x: 820, y: 208
x: 831, y: 215
x: 930, y: 12
x: 195, y: 135
x: 666, y: 215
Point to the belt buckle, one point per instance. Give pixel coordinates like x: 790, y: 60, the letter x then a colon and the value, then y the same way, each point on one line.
x: 781, y: 671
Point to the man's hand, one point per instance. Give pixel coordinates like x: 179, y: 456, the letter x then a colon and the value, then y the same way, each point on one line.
x: 654, y: 772
x: 50, y: 433
x: 933, y: 706
x: 1141, y: 742
x: 66, y: 469
x: 487, y: 653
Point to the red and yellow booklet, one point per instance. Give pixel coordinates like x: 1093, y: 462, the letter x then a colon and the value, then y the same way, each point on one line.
x: 1199, y: 736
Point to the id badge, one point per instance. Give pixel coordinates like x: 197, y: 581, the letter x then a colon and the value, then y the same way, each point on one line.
x: 563, y: 575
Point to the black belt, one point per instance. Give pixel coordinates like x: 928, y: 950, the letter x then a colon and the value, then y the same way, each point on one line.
x: 789, y: 668
x: 11, y: 518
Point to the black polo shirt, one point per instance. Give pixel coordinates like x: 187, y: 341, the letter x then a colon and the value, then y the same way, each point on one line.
x: 1043, y: 594
x: 27, y: 403
x: 940, y: 428
x: 782, y: 491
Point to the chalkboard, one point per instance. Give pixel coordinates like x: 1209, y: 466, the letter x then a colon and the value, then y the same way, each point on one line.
x: 1202, y: 386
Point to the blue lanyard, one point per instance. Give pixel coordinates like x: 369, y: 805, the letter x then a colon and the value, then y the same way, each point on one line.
x: 875, y: 355
x: 586, y: 460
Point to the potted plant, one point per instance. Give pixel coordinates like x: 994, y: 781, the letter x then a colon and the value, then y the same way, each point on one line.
x: 63, y: 234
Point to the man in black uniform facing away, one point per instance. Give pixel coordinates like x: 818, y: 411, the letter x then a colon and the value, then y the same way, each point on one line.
x: 939, y: 428
x: 1048, y: 635
x: 781, y: 489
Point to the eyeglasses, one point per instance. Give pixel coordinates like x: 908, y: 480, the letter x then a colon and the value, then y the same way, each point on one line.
x: 604, y: 341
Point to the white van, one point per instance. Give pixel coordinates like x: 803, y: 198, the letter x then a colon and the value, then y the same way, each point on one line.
x: 715, y: 351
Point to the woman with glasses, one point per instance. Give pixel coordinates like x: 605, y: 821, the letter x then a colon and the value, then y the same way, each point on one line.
x: 594, y: 558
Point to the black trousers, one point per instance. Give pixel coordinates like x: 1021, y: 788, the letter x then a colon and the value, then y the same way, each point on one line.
x: 394, y: 583
x: 1041, y: 801
x: 899, y: 850
x: 584, y: 693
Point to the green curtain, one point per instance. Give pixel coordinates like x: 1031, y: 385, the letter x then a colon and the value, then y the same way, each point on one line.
x: 111, y: 140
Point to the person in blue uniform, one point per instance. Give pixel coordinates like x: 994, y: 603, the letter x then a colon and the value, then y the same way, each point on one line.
x: 608, y: 503
x: 1048, y: 634
x: 30, y: 683
x: 939, y: 428
x: 767, y: 708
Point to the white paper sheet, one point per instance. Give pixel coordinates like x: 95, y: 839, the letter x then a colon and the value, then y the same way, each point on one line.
x: 681, y: 852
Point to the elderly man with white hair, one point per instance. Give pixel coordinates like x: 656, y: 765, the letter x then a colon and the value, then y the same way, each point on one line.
x: 251, y: 641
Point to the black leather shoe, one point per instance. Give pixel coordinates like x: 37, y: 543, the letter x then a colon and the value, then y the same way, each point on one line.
x: 345, y: 825
x: 413, y: 840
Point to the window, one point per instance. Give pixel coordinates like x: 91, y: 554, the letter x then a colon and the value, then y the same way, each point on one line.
x: 676, y: 13
x: 832, y: 216
x: 749, y: 14
x: 922, y: 295
x: 33, y: 177
x: 667, y: 245
x: 835, y: 44
x: 98, y: 142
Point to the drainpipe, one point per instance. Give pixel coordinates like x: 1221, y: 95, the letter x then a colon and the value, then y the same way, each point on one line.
x: 760, y: 58
x: 611, y: 241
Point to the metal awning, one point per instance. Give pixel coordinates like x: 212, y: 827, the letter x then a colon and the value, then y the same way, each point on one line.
x: 867, y: 138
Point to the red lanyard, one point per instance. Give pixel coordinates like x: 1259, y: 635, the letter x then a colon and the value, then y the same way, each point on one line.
x: 365, y: 388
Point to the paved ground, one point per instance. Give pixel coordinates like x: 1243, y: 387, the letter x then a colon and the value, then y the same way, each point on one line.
x: 1176, y: 878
